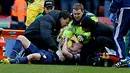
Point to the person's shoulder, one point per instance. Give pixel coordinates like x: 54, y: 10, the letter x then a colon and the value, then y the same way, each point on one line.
x: 54, y: 12
x: 87, y: 13
x: 47, y: 18
x: 44, y: 16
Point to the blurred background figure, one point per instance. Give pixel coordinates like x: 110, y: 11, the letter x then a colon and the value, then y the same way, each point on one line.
x: 92, y: 6
x: 34, y: 8
x: 57, y: 4
x: 106, y: 6
x: 18, y: 14
x: 67, y: 4
x: 49, y: 5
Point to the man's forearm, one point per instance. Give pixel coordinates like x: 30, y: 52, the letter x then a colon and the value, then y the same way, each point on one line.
x: 66, y: 52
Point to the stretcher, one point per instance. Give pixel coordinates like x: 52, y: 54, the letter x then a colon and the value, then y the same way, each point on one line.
x: 11, y: 34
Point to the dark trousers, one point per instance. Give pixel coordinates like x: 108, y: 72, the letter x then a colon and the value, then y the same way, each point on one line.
x: 120, y: 30
x: 87, y: 53
x: 98, y: 45
x: 17, y: 24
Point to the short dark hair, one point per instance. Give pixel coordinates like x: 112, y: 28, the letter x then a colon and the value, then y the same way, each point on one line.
x: 65, y: 14
x: 77, y: 6
x: 88, y: 23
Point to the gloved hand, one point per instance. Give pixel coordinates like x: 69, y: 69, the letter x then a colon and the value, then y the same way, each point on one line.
x: 80, y: 38
x: 113, y: 17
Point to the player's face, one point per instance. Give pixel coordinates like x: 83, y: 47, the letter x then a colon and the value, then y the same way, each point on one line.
x: 76, y: 48
x: 64, y: 22
x: 77, y: 14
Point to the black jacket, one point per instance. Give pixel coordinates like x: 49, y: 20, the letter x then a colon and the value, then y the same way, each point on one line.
x: 97, y: 28
x: 103, y: 30
x: 43, y: 30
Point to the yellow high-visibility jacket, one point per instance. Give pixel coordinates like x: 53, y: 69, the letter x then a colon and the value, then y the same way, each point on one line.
x: 71, y: 30
x: 33, y: 10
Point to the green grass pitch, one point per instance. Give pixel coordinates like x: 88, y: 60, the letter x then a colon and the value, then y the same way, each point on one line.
x: 31, y: 68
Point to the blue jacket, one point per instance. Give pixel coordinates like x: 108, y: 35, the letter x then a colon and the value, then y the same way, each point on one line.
x: 117, y: 4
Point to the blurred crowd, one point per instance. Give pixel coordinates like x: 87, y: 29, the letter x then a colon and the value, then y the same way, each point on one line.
x: 90, y: 5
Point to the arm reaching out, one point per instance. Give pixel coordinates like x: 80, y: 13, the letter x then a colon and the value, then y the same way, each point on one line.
x: 65, y: 50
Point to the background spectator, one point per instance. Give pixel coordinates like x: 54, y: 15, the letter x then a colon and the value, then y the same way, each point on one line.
x: 49, y: 5
x: 67, y: 4
x: 92, y: 5
x: 33, y: 9
x: 106, y: 6
x: 57, y: 5
x: 18, y: 14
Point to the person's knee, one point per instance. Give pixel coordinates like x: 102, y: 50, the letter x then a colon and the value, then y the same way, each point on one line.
x: 34, y: 56
x: 21, y: 37
x: 24, y: 40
